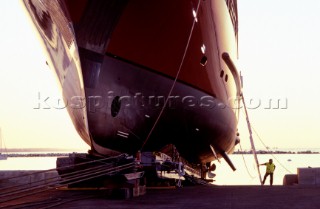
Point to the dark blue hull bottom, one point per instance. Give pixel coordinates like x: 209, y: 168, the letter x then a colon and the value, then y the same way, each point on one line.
x: 124, y: 101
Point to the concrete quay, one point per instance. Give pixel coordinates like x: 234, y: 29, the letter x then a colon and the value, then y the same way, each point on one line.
x: 229, y: 197
x: 302, y: 192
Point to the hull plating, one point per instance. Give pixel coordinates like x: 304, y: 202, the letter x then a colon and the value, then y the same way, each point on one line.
x: 116, y: 62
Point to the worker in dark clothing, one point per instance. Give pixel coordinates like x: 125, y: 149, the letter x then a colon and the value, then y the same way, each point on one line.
x: 270, y: 167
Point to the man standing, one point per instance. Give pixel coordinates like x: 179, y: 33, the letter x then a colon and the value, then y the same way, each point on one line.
x: 270, y: 167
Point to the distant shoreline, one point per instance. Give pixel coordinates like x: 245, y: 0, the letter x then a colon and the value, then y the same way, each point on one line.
x: 276, y: 152
x: 44, y: 150
x: 38, y: 154
x: 59, y: 154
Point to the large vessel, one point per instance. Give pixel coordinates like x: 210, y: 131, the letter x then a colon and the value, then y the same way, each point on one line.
x: 142, y: 74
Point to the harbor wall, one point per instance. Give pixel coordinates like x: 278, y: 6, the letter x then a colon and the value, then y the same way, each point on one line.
x: 18, y: 177
x: 309, y: 176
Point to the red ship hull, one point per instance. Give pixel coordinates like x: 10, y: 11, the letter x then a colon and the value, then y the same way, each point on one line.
x: 139, y: 74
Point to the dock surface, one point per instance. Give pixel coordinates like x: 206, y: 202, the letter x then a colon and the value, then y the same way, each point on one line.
x: 227, y: 197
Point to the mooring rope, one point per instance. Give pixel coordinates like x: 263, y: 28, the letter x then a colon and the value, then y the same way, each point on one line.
x: 66, y: 179
x: 270, y: 152
x: 245, y: 163
x: 73, y: 180
x: 176, y: 78
x: 251, y: 139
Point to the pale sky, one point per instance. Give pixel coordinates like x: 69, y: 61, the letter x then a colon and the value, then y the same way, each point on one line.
x: 279, y: 52
x: 23, y: 74
x: 279, y: 58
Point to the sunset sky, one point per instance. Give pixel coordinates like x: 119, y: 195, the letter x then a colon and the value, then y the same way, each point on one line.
x: 279, y: 51
x: 23, y: 75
